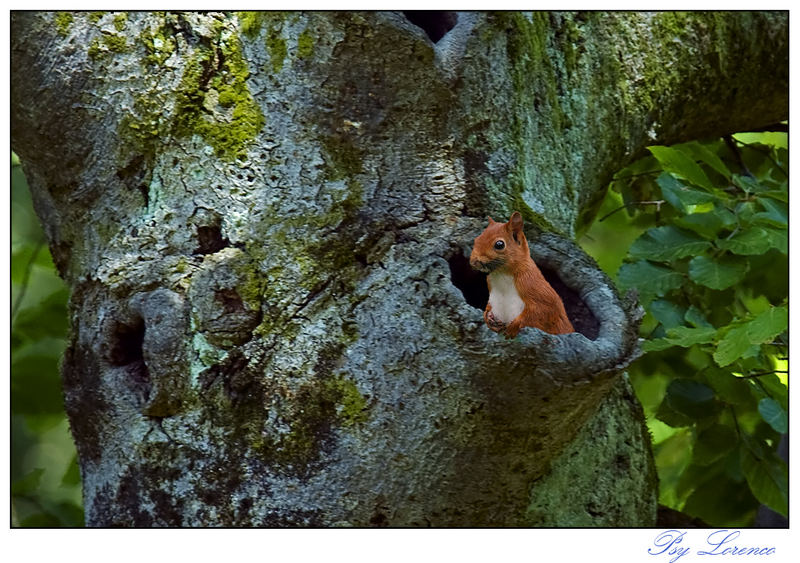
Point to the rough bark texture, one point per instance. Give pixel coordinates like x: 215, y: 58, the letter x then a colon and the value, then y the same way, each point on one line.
x: 265, y: 218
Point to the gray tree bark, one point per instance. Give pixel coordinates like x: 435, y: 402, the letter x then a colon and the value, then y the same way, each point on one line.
x: 265, y: 218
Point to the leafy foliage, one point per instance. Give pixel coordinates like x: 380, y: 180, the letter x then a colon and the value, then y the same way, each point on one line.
x: 45, y: 484
x: 710, y: 264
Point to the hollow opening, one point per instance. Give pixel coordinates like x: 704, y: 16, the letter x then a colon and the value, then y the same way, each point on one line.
x: 210, y: 239
x: 471, y: 282
x: 127, y: 350
x: 434, y: 23
x: 230, y: 300
x: 473, y: 286
x: 579, y: 314
x: 127, y: 343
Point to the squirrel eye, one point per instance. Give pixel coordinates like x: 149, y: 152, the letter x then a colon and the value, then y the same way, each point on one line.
x: 499, y: 245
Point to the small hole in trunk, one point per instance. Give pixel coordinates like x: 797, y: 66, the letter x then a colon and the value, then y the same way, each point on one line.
x: 434, y: 24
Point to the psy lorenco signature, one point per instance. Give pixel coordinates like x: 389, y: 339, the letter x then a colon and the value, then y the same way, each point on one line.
x: 673, y: 545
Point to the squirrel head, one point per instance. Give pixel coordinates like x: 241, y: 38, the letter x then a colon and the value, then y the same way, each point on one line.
x: 500, y: 245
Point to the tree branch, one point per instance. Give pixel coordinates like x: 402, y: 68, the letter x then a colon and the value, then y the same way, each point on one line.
x: 657, y: 203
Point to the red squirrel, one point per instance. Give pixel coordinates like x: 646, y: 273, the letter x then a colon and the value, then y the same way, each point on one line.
x: 518, y: 293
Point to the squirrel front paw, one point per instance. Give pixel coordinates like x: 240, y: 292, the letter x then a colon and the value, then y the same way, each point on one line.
x: 493, y: 323
x: 512, y: 329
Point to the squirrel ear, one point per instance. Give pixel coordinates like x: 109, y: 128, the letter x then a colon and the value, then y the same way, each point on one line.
x: 490, y: 220
x: 515, y: 225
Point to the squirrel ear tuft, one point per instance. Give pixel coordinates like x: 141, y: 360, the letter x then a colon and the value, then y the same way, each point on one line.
x: 515, y: 225
x: 490, y: 220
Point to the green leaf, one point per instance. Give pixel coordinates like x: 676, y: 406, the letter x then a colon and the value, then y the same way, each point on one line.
x: 668, y: 415
x: 748, y: 242
x: 667, y: 243
x: 768, y: 479
x: 72, y: 476
x: 719, y: 273
x: 48, y: 318
x: 679, y: 195
x: 670, y: 188
x: 683, y: 336
x: 696, y: 318
x: 672, y: 455
x: 778, y: 239
x: 769, y: 324
x: 29, y: 483
x: 700, y: 152
x: 780, y: 195
x: 745, y: 212
x: 36, y: 385
x: 774, y: 415
x: 767, y: 139
x: 708, y: 224
x: 747, y: 183
x: 734, y: 345
x: 713, y: 443
x: 25, y: 254
x: 686, y: 336
x: 728, y: 387
x: 648, y: 278
x: 776, y: 213
x: 69, y: 514
x: 667, y: 313
x: 680, y: 164
x: 777, y: 390
x: 691, y: 398
x: 628, y: 197
x: 657, y: 345
x: 721, y: 501
x: 41, y: 520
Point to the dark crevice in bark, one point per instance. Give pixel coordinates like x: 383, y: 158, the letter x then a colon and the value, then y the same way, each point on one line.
x: 593, y: 512
x: 230, y: 301
x: 127, y: 350
x: 210, y: 239
x: 135, y: 176
x: 127, y: 343
x: 434, y: 23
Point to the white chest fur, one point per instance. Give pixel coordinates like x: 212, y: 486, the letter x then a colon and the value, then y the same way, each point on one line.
x: 504, y: 299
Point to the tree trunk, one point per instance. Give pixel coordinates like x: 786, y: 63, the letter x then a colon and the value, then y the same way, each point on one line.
x: 265, y: 220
